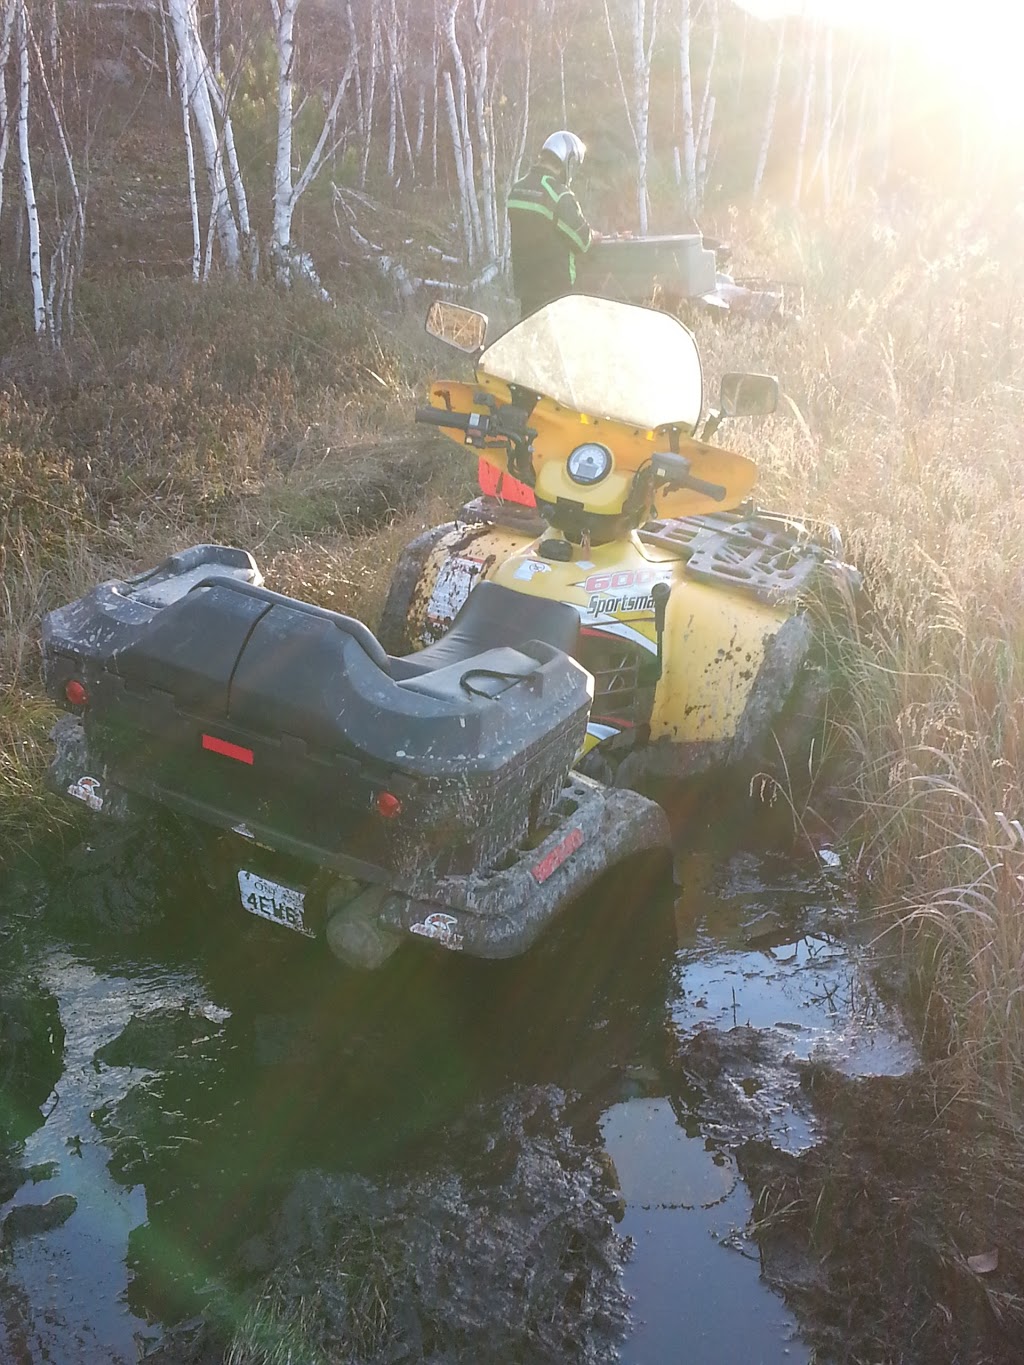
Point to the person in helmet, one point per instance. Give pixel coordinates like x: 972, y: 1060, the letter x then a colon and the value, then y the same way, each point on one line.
x: 548, y: 229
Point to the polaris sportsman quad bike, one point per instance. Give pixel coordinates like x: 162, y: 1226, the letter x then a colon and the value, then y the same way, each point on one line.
x: 355, y: 797
x: 692, y: 605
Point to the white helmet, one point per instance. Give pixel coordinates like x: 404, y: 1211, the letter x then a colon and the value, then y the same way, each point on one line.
x: 568, y: 149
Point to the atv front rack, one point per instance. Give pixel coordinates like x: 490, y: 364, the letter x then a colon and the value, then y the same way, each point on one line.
x: 773, y: 559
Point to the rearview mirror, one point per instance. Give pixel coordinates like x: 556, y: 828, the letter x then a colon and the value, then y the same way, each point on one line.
x: 463, y: 328
x: 748, y: 395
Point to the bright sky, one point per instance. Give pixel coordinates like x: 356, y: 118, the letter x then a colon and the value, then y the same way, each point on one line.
x: 976, y: 43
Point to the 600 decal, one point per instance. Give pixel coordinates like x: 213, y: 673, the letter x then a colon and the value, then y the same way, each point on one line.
x: 621, y: 580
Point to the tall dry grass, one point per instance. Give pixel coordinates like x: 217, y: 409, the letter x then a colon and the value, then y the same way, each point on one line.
x: 903, y: 423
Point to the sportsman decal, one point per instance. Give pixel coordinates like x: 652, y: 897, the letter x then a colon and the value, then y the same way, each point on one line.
x: 618, y: 591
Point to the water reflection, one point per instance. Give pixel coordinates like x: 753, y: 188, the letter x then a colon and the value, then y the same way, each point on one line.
x: 597, y: 1087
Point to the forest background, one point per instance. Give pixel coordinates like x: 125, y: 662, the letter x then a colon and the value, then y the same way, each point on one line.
x: 220, y: 224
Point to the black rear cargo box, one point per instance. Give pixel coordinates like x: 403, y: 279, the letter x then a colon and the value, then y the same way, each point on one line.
x: 242, y: 707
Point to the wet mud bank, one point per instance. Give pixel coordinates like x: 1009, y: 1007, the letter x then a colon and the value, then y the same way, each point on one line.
x: 689, y: 1123
x: 899, y: 1235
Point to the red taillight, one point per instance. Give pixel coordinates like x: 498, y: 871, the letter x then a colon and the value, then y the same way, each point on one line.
x: 388, y: 805
x: 75, y: 692
x: 223, y: 746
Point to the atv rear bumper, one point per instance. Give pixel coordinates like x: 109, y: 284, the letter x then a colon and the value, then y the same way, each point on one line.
x: 363, y: 912
x: 500, y: 911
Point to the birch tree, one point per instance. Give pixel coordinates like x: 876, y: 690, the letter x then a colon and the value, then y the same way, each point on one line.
x: 689, y: 145
x: 707, y: 99
x: 69, y: 245
x: 824, y: 157
x: 28, y: 190
x: 456, y: 89
x: 805, y: 114
x: 195, y: 81
x: 31, y: 121
x: 487, y: 48
x: 642, y: 17
x: 645, y: 25
x: 8, y: 13
x: 287, y: 189
x: 773, y: 104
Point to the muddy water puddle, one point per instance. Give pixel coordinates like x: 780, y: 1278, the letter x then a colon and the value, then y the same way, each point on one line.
x: 529, y: 1161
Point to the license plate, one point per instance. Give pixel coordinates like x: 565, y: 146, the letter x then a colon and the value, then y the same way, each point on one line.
x: 270, y: 900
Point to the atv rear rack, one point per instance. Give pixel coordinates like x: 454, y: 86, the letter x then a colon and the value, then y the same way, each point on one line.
x: 773, y: 559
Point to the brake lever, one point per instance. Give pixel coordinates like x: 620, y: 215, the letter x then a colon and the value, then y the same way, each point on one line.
x: 519, y: 438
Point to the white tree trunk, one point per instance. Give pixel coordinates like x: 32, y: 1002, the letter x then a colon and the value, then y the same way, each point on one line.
x: 220, y: 105
x: 28, y: 188
x: 644, y: 16
x: 885, y: 109
x: 689, y: 149
x: 705, y: 99
x: 392, y: 121
x: 805, y: 117
x: 403, y: 128
x: 516, y: 163
x: 354, y: 48
x: 854, y: 160
x: 832, y: 139
x: 826, y: 120
x: 167, y: 51
x: 773, y: 104
x: 703, y: 150
x: 458, y: 98
x: 281, y: 228
x: 286, y: 192
x: 190, y: 162
x: 421, y: 124
x: 465, y: 189
x: 184, y: 24
x: 369, y: 94
x: 66, y: 258
x: 9, y: 13
x: 482, y: 95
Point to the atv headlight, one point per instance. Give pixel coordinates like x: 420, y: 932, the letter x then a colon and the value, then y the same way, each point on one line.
x: 589, y: 463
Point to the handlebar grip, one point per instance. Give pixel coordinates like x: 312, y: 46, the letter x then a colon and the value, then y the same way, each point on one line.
x: 441, y: 417
x: 717, y: 491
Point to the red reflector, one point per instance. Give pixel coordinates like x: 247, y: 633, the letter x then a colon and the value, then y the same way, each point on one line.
x: 552, y: 861
x: 388, y: 805
x: 221, y: 746
x: 75, y: 692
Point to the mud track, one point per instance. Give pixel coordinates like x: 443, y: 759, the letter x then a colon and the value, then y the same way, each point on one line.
x: 685, y: 1124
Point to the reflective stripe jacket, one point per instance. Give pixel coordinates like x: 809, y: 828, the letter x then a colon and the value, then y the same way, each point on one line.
x: 548, y: 231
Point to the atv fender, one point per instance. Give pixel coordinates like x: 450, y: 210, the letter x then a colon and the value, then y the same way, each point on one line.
x: 73, y: 771
x: 500, y: 911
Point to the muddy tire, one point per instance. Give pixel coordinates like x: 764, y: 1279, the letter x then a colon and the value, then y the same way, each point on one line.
x: 120, y: 879
x: 393, y: 630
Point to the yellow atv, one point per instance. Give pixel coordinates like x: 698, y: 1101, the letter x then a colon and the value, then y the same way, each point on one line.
x: 692, y: 604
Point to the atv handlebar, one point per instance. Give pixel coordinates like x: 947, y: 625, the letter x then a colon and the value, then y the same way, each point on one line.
x: 504, y: 429
x: 469, y: 422
x: 717, y: 491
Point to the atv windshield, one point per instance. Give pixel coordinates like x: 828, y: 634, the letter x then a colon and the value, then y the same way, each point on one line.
x: 604, y: 359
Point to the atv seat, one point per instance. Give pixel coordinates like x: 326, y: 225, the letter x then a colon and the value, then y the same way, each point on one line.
x: 493, y: 617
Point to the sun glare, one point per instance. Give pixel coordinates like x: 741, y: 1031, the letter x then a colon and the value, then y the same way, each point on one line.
x: 976, y: 48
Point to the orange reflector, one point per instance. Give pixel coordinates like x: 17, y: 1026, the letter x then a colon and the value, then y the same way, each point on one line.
x: 221, y: 746
x: 388, y: 805
x: 75, y: 692
x: 552, y: 861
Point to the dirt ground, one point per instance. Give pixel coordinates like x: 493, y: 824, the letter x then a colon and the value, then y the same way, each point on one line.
x: 900, y: 1237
